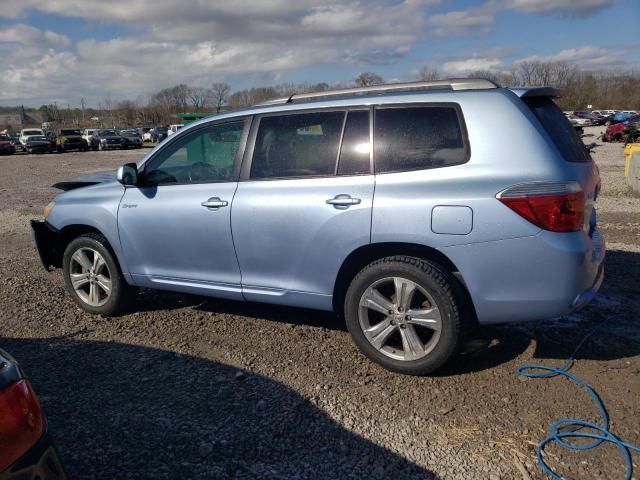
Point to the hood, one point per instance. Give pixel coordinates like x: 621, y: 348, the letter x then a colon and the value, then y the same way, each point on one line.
x: 86, y: 180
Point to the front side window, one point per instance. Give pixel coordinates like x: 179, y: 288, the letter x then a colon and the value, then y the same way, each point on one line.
x: 415, y: 138
x: 297, y: 145
x: 205, y: 155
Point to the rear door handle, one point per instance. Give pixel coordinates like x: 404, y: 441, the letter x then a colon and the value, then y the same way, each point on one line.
x: 215, y: 202
x: 343, y: 200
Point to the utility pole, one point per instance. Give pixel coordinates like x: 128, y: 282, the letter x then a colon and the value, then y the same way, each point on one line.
x: 82, y: 105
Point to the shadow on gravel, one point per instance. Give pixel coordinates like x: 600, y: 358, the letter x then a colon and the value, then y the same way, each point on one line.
x: 557, y: 339
x: 126, y: 411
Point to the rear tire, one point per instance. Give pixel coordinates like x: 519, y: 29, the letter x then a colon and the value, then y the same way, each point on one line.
x: 402, y: 313
x: 93, y: 278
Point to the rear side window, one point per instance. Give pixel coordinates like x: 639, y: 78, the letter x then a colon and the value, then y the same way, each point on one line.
x: 297, y: 145
x: 562, y: 133
x: 415, y: 138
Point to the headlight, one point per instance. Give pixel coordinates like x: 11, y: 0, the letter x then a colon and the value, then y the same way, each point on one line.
x: 48, y: 209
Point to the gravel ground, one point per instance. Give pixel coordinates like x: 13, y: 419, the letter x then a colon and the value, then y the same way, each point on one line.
x: 188, y: 387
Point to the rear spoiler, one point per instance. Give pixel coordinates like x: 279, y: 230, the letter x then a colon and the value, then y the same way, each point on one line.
x: 527, y: 92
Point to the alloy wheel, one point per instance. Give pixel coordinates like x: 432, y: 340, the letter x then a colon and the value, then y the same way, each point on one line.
x: 399, y: 318
x: 90, y: 277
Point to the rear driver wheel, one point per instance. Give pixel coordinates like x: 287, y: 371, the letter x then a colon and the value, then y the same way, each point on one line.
x: 402, y: 313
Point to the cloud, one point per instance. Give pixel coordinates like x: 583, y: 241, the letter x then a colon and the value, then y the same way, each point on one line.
x: 468, y: 65
x: 568, y: 7
x: 463, y: 21
x: 587, y: 57
x: 173, y: 44
x: 27, y: 35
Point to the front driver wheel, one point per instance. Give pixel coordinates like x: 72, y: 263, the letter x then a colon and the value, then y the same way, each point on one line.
x: 403, y: 314
x: 93, y: 278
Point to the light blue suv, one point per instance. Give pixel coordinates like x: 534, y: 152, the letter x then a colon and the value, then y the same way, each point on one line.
x: 413, y: 210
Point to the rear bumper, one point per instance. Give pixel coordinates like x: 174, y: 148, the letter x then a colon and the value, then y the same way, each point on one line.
x: 41, y: 462
x: 531, y: 278
x: 46, y: 238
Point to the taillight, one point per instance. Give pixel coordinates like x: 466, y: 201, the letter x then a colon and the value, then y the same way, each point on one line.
x: 553, y: 206
x: 21, y: 422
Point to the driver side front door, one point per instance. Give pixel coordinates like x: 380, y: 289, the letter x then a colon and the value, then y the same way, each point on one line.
x: 175, y: 227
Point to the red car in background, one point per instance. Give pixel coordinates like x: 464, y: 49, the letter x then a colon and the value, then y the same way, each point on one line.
x: 6, y: 146
x: 26, y: 449
x: 616, y: 131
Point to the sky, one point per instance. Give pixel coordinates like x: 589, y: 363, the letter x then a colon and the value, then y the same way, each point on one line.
x: 64, y: 50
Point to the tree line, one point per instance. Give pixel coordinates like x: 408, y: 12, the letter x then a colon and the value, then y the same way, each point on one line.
x: 605, y: 89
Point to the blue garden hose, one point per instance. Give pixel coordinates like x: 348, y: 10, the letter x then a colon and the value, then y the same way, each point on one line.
x: 566, y: 428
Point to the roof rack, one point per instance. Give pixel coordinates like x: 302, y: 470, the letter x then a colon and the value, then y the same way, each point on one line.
x: 449, y: 84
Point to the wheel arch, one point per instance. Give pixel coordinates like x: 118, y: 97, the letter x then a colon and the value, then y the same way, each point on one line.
x: 366, y: 254
x: 70, y: 232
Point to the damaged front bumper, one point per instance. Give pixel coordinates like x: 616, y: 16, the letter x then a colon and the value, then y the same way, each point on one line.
x: 46, y: 240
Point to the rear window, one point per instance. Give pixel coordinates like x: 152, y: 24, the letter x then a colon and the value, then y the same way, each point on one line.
x: 562, y: 133
x: 416, y: 138
x: 297, y: 145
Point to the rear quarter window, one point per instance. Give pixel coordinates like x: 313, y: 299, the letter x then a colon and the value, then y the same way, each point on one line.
x: 558, y: 127
x: 419, y: 137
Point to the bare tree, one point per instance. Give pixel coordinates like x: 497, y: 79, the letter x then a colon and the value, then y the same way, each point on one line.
x: 428, y: 74
x: 198, y: 97
x: 368, y: 79
x: 220, y: 94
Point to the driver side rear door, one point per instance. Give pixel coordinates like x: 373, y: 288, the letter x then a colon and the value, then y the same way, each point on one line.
x: 175, y: 226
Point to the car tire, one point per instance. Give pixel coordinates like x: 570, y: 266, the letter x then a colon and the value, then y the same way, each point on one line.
x: 93, y: 277
x: 416, y: 345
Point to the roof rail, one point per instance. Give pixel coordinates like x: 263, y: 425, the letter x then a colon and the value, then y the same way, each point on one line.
x: 450, y: 84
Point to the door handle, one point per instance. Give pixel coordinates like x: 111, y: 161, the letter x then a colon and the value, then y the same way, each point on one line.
x: 215, y: 202
x: 343, y: 200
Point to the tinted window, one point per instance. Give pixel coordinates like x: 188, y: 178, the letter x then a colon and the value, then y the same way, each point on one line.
x: 203, y: 156
x: 297, y: 145
x: 355, y: 150
x: 562, y: 133
x: 417, y: 138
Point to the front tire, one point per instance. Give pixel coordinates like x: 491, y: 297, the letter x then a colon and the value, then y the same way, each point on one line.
x: 403, y: 314
x: 93, y: 277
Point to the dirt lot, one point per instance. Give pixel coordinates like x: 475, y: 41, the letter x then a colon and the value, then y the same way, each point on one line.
x: 191, y: 387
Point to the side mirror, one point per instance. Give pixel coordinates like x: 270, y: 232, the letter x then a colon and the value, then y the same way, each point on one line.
x: 127, y: 174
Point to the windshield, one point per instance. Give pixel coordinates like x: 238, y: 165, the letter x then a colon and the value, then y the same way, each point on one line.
x: 4, y: 138
x: 32, y: 132
x: 106, y: 133
x: 129, y: 133
x: 69, y: 132
x: 564, y: 136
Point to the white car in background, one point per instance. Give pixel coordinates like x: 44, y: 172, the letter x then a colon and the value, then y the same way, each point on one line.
x: 174, y: 128
x: 25, y: 133
x: 87, y: 133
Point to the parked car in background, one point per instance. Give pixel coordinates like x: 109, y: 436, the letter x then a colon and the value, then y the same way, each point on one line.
x: 107, y: 139
x: 39, y: 144
x: 615, y: 132
x: 25, y: 133
x: 145, y: 133
x: 132, y: 138
x: 619, y: 118
x: 367, y: 202
x: 87, y: 135
x: 70, y: 139
x: 15, y: 138
x: 158, y: 134
x: 6, y: 145
x: 174, y: 128
x: 27, y: 451
x: 579, y: 122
